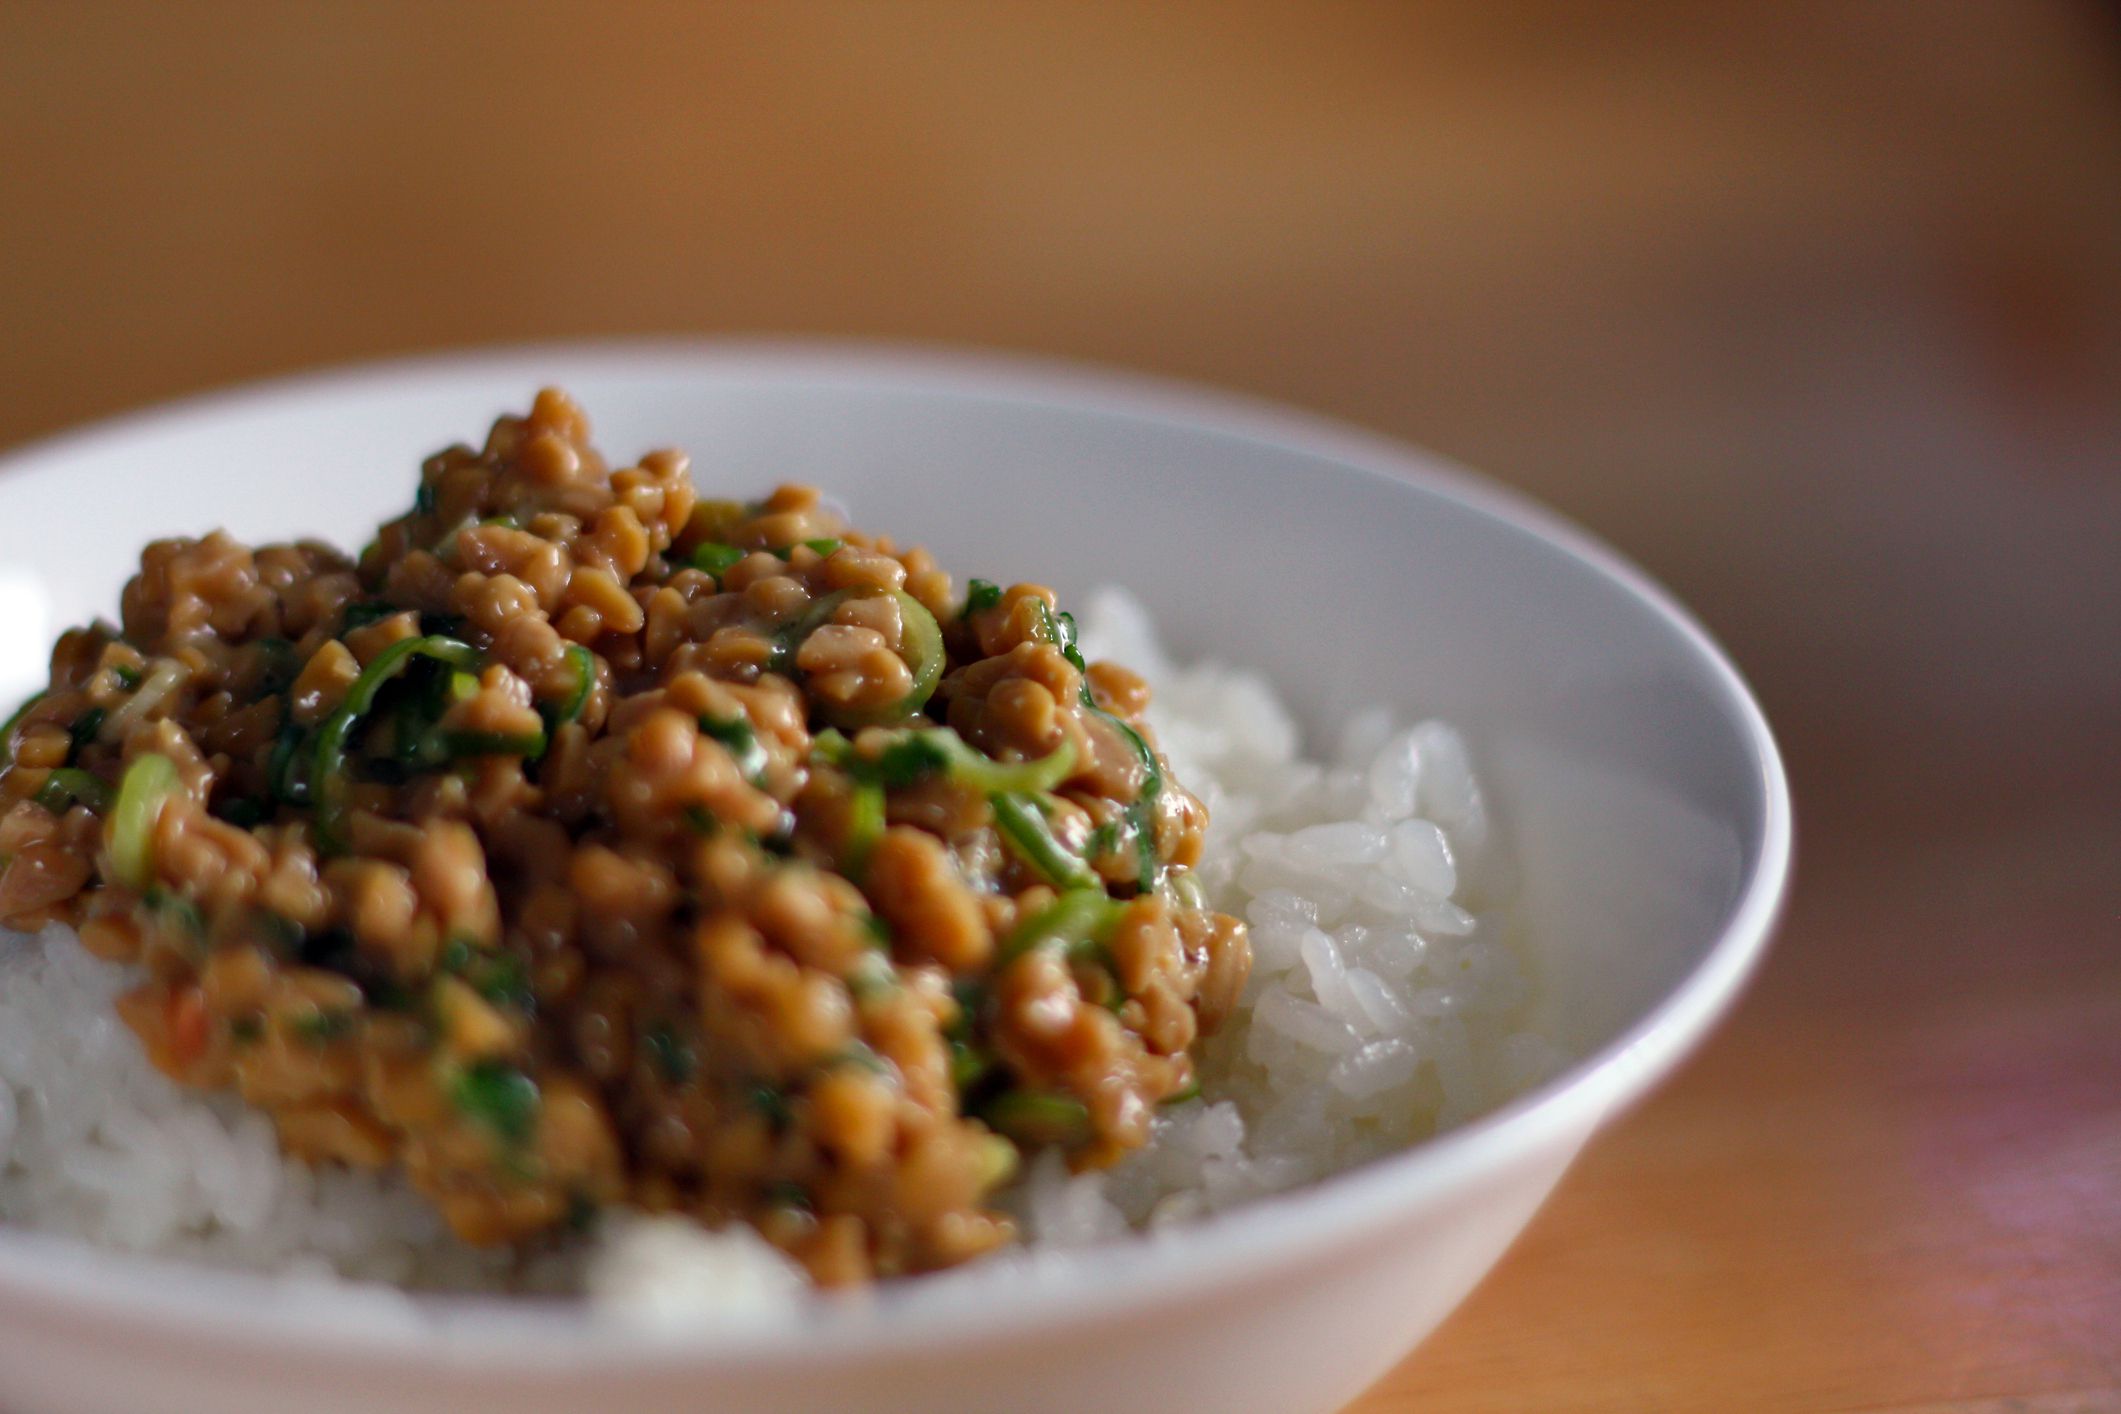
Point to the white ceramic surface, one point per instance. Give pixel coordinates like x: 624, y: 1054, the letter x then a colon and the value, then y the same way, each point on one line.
x: 1640, y: 784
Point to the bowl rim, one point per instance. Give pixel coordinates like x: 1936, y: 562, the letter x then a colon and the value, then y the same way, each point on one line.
x: 182, y: 1299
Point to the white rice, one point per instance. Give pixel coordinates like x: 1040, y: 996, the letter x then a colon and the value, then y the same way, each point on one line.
x: 1384, y: 1006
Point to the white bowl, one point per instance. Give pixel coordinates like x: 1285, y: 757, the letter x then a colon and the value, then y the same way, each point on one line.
x: 1640, y: 784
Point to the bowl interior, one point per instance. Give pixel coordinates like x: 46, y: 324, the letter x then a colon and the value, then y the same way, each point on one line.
x: 1629, y: 768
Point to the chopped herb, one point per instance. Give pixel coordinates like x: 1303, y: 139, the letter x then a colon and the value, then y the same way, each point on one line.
x: 672, y: 1058
x: 327, y: 770
x: 982, y: 594
x: 921, y: 646
x: 1102, y: 841
x: 500, y: 1097
x: 457, y: 954
x: 69, y: 785
x: 825, y: 548
x: 968, y: 1066
x: 148, y: 784
x: 716, y: 558
x: 83, y: 731
x: 457, y: 745
x: 1179, y: 1097
x: 1076, y: 919
x: 742, y: 741
x: 1038, y: 1117
x: 585, y: 682
x: 770, y: 1102
x: 174, y: 911
x: 865, y: 827
x: 128, y: 678
x: 423, y: 500
x: 496, y: 976
x: 282, y: 779
x: 1024, y: 831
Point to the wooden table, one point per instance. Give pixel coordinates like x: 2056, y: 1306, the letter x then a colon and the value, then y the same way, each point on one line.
x: 1814, y: 309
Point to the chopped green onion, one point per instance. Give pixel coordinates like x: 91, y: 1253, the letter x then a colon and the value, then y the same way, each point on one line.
x: 67, y: 784
x: 585, y: 682
x: 281, y: 777
x: 174, y: 911
x: 826, y: 547
x: 967, y: 1065
x: 916, y: 752
x: 982, y: 594
x: 672, y: 1058
x: 128, y: 678
x: 922, y: 639
x: 459, y: 744
x: 1024, y: 830
x: 83, y: 731
x: 716, y: 558
x: 1179, y: 1097
x: 129, y: 835
x: 500, y: 1097
x: 496, y: 976
x: 865, y: 826
x: 7, y: 729
x: 1078, y: 917
x: 736, y: 734
x: 1038, y: 1117
x: 770, y: 1102
x: 921, y: 646
x: 327, y: 770
x: 1060, y: 629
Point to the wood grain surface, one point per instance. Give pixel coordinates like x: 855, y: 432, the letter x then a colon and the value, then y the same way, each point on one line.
x: 1815, y: 309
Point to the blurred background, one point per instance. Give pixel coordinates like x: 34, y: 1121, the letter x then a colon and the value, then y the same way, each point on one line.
x: 1813, y: 309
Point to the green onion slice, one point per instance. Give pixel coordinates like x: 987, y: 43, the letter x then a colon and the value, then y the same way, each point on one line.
x: 500, y: 1097
x: 742, y: 742
x: 146, y: 787
x: 1038, y: 1117
x: 585, y: 679
x: 1023, y: 829
x: 460, y: 744
x: 909, y: 755
x: 716, y: 558
x: 1077, y: 919
x: 327, y: 769
x: 865, y: 826
x: 67, y: 784
x: 921, y: 646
